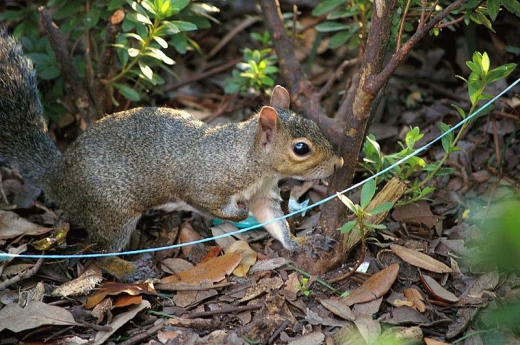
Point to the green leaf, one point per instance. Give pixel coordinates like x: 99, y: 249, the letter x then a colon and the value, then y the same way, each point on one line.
x: 367, y: 193
x: 376, y: 226
x: 159, y: 55
x: 143, y: 19
x: 113, y: 4
x: 385, y: 206
x: 474, y: 67
x: 147, y: 71
x: 485, y: 63
x: 445, y: 171
x: 348, y: 226
x: 500, y: 72
x: 484, y: 20
x: 161, y: 41
x: 127, y: 92
x: 512, y: 6
x: 461, y: 112
x: 133, y: 35
x: 493, y: 8
x: 346, y: 201
x: 172, y: 29
x: 184, y: 26
x: 180, y: 43
x: 92, y: 17
x: 133, y: 52
x: 179, y: 4
x: 326, y: 6
x: 331, y: 26
x: 339, y: 38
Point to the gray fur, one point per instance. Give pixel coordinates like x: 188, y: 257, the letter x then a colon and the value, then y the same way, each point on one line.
x: 143, y: 158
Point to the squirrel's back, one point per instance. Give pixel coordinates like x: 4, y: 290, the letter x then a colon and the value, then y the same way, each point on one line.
x: 24, y: 142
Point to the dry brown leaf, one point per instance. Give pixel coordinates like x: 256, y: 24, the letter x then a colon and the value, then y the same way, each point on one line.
x: 174, y: 265
x: 263, y: 286
x: 12, y: 225
x: 416, y: 298
x: 119, y: 321
x: 430, y: 341
x: 79, y: 286
x: 16, y: 269
x: 268, y: 265
x: 248, y: 257
x: 338, y: 308
x: 112, y: 289
x: 374, y: 287
x: 436, y: 290
x: 35, y: 314
x: 369, y: 328
x: 125, y: 301
x: 419, y: 212
x: 221, y: 229
x: 101, y: 309
x: 187, y: 234
x: 419, y: 259
x: 214, y: 270
x: 292, y: 283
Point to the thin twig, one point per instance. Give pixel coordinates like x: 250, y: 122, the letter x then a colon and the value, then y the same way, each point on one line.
x: 24, y: 275
x: 337, y: 73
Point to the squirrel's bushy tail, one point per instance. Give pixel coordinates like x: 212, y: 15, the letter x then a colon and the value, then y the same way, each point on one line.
x: 24, y: 142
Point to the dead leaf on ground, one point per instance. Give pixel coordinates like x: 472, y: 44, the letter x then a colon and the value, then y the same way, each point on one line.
x: 369, y: 328
x: 374, y: 287
x: 292, y: 283
x: 187, y: 234
x: 340, y: 309
x: 12, y: 225
x: 112, y: 289
x: 119, y: 321
x: 414, y: 296
x: 125, y: 301
x: 35, y: 314
x: 430, y: 341
x: 248, y: 257
x: 437, y: 291
x: 214, y: 270
x: 419, y: 212
x: 79, y: 286
x: 419, y: 259
x: 263, y: 286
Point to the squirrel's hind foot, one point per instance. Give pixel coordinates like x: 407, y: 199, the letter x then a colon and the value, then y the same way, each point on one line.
x: 127, y: 271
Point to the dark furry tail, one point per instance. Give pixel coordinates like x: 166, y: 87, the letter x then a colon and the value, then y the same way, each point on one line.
x: 24, y: 142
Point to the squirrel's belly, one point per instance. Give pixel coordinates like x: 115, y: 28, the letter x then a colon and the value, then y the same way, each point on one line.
x: 175, y: 206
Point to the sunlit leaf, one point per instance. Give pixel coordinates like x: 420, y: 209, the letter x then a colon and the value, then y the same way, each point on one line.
x: 367, y: 192
x: 127, y: 91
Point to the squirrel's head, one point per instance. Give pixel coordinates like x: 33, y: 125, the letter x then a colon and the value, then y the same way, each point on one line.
x: 296, y: 146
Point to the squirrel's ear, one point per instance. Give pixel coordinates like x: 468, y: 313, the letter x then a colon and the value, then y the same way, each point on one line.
x: 280, y: 98
x: 267, y: 125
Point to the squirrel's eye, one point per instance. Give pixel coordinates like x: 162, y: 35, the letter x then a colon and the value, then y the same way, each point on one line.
x: 301, y: 148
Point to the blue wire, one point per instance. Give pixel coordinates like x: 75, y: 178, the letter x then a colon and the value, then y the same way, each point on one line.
x: 4, y: 256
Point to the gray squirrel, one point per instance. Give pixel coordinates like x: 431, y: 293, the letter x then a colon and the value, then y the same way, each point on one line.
x: 154, y: 157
